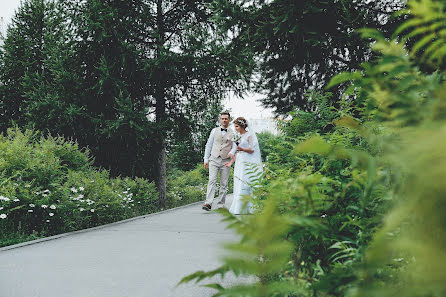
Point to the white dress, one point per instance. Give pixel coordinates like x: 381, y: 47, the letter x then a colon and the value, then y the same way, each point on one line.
x: 246, y: 169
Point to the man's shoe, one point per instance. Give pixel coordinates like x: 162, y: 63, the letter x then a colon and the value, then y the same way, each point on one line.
x: 207, y: 207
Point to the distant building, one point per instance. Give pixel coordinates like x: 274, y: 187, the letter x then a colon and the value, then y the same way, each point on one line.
x: 264, y: 125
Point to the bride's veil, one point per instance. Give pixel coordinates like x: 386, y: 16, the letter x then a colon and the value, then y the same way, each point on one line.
x: 257, y: 155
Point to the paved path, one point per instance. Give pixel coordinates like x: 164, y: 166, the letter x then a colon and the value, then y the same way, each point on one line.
x: 141, y: 258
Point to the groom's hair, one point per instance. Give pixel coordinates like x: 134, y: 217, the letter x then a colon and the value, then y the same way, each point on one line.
x: 225, y: 113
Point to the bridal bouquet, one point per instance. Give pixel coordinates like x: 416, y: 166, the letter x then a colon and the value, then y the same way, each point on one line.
x: 236, y: 138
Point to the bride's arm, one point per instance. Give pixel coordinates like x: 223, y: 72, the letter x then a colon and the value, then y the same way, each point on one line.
x: 249, y: 149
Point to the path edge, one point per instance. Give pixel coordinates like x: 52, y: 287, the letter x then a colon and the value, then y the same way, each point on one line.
x: 40, y: 240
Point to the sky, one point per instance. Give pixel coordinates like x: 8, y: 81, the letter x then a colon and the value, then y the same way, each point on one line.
x: 247, y: 107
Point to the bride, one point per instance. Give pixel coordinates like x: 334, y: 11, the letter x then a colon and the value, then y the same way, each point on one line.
x: 248, y: 164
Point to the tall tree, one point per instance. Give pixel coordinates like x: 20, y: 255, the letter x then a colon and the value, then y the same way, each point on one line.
x: 22, y: 54
x: 110, y: 61
x: 299, y: 45
x: 153, y: 58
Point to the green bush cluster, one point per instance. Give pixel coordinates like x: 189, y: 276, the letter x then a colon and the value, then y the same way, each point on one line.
x: 47, y: 186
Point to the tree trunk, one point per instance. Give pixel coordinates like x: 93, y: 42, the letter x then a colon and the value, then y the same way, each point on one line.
x: 161, y: 179
x: 160, y: 97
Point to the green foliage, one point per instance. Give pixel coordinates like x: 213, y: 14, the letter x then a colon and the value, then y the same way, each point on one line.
x: 319, y: 120
x: 47, y: 187
x: 186, y: 187
x: 299, y: 45
x: 368, y: 195
x: 427, y: 26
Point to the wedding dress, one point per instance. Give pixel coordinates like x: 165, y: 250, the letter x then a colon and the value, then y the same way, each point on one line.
x: 246, y: 170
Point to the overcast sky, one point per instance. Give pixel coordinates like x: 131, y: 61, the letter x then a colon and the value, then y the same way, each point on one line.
x: 247, y: 107
x: 7, y: 8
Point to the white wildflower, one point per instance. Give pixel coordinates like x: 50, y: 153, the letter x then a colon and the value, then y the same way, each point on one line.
x: 1, y: 208
x: 3, y: 216
x: 51, y: 214
x: 81, y: 188
x: 30, y: 210
x: 44, y: 206
x: 323, y: 216
x: 81, y: 209
x: 16, y: 200
x: 32, y: 205
x: 47, y: 221
x: 53, y: 206
x: 46, y: 191
x: 4, y: 198
x: 80, y: 196
x: 92, y: 210
x: 74, y: 190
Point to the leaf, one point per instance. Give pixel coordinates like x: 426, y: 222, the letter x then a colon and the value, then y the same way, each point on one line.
x: 371, y: 33
x: 406, y: 25
x: 348, y: 122
x: 315, y: 145
x: 343, y: 77
x: 422, y: 43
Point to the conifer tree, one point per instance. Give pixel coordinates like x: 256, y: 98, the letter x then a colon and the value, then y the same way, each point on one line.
x: 22, y: 54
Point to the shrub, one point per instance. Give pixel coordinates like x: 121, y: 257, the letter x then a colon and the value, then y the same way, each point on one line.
x: 47, y: 186
x: 184, y: 187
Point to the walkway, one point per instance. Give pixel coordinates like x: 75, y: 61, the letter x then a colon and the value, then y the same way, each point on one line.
x: 141, y: 258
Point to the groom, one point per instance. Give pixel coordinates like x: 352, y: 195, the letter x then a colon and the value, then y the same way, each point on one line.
x: 219, y: 150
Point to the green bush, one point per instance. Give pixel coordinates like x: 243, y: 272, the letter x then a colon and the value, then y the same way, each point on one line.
x: 47, y: 186
x: 184, y: 187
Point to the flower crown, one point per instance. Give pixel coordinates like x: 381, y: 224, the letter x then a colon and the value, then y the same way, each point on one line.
x: 241, y: 122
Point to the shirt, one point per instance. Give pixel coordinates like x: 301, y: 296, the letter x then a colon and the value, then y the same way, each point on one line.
x: 210, y: 143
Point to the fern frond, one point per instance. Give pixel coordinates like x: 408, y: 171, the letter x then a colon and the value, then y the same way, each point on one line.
x: 428, y: 26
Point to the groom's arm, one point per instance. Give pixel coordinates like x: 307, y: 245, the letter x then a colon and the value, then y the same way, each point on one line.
x: 233, y: 149
x: 207, y: 151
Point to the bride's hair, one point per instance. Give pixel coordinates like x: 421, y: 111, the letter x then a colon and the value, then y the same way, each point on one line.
x: 241, y: 121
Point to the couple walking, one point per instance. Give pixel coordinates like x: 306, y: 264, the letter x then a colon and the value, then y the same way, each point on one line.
x: 223, y: 148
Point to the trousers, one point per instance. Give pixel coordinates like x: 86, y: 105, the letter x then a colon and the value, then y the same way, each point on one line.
x: 216, y: 166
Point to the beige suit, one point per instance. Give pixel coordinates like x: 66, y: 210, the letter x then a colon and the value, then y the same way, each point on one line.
x: 221, y: 147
